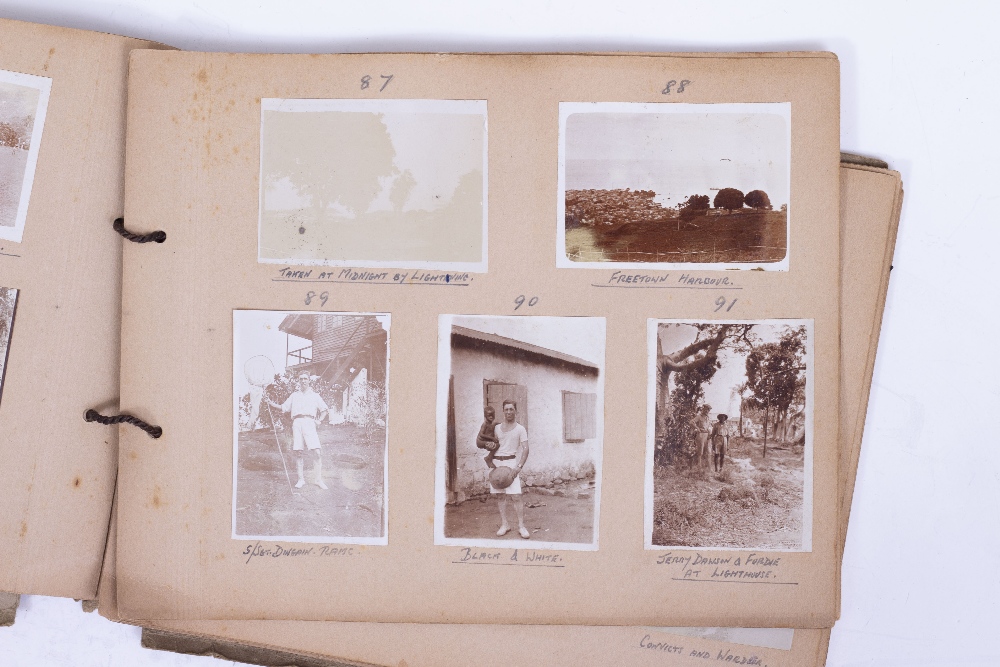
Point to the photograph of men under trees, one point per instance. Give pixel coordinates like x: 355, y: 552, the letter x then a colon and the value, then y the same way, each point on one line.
x: 644, y: 184
x: 731, y: 435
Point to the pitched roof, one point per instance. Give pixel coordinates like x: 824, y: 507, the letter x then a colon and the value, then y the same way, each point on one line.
x: 532, y: 350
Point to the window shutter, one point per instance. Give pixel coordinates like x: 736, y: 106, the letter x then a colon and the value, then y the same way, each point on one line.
x: 579, y: 416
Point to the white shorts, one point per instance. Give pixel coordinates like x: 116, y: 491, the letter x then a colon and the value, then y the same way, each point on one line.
x: 515, y: 487
x: 304, y: 433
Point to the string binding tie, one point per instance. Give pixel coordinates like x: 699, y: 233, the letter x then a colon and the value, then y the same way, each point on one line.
x: 158, y: 236
x: 95, y: 416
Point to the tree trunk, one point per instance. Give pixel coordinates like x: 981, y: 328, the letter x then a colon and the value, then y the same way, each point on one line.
x: 767, y: 417
x: 741, y: 416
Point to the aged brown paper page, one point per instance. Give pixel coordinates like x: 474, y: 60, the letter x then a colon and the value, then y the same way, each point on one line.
x: 62, y: 132
x: 473, y: 348
x: 870, y: 207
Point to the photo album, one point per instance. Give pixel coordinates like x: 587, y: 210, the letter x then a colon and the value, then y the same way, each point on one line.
x: 372, y: 357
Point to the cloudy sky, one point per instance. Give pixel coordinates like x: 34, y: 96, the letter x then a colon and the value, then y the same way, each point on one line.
x: 678, y: 154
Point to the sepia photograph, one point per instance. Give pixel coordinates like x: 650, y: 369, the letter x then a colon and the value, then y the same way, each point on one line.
x: 309, y: 438
x: 8, y: 303
x: 520, y: 422
x: 729, y: 436
x: 23, y: 100
x: 373, y: 183
x: 674, y: 186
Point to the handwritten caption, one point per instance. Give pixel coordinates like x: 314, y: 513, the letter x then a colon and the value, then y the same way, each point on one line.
x: 257, y: 550
x: 362, y: 276
x: 723, y: 655
x: 750, y: 569
x: 627, y: 279
x: 522, y: 557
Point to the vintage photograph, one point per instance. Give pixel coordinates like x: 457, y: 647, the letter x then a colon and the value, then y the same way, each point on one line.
x: 23, y: 100
x: 520, y: 424
x: 310, y: 410
x: 373, y: 183
x: 729, y: 437
x: 701, y: 186
x: 8, y: 303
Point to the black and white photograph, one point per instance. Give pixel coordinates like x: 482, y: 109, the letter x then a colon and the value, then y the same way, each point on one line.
x: 673, y: 186
x: 310, y: 414
x: 23, y: 101
x: 8, y: 303
x: 520, y: 423
x: 374, y: 183
x: 729, y: 435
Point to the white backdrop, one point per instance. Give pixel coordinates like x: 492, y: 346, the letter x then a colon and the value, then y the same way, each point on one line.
x: 919, y: 89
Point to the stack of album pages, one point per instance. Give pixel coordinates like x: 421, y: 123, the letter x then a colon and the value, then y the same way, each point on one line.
x: 435, y: 359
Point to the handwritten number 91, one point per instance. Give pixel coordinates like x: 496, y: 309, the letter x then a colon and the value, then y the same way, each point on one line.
x: 520, y: 301
x: 310, y: 295
x: 721, y: 301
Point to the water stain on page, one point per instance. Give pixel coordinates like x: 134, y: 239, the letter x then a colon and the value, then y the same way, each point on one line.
x: 24, y: 530
x: 77, y: 481
x: 156, y: 498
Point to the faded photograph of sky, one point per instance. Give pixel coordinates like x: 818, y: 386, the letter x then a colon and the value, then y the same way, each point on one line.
x: 372, y: 182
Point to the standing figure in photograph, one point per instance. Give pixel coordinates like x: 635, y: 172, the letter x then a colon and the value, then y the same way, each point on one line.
x: 487, y: 439
x: 701, y: 430
x: 720, y: 441
x: 513, y: 440
x: 305, y: 406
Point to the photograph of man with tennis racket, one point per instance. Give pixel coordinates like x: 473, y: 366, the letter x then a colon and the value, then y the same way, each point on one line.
x: 520, y: 425
x: 310, y: 410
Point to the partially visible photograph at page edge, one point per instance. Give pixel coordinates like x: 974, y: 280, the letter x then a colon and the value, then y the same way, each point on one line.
x: 374, y: 183
x: 674, y: 186
x: 23, y: 101
x: 8, y: 304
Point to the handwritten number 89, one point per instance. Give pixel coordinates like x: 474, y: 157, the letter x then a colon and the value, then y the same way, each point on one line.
x: 520, y: 301
x: 310, y: 295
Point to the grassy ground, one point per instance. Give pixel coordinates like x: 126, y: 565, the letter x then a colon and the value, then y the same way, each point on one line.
x: 742, y: 236
x: 352, y: 469
x: 756, y: 502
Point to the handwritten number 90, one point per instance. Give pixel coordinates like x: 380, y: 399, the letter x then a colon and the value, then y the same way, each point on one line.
x: 520, y: 301
x: 310, y: 295
x: 721, y: 301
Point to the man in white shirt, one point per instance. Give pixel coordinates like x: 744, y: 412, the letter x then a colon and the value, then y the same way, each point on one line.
x: 305, y: 406
x: 513, y: 449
